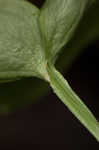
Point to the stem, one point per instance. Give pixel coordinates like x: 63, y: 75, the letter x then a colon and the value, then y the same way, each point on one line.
x: 72, y: 101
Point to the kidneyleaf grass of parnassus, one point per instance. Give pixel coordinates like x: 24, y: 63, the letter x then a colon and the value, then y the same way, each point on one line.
x: 30, y: 42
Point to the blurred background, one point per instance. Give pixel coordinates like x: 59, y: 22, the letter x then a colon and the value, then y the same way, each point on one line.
x: 47, y: 123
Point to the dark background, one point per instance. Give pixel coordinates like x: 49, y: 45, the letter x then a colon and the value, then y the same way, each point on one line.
x: 48, y: 124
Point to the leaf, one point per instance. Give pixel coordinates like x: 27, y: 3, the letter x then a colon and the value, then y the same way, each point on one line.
x: 30, y: 40
x: 86, y: 33
x: 24, y: 48
x: 58, y: 21
x: 26, y: 91
x: 57, y: 28
x: 21, y: 50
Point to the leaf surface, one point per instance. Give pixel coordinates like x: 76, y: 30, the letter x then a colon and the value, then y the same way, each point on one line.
x: 21, y: 50
x: 58, y: 21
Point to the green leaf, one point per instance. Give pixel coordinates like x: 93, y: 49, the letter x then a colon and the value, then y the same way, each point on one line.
x: 26, y: 91
x: 86, y: 33
x: 58, y: 21
x: 25, y: 45
x: 21, y: 50
x: 31, y: 38
x: 72, y: 101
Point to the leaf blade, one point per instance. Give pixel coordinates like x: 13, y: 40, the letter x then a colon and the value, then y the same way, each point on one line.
x: 21, y: 50
x: 58, y: 26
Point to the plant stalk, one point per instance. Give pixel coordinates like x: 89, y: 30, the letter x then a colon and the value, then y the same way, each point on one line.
x: 72, y: 101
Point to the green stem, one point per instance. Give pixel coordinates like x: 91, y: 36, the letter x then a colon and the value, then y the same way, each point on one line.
x: 72, y: 101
